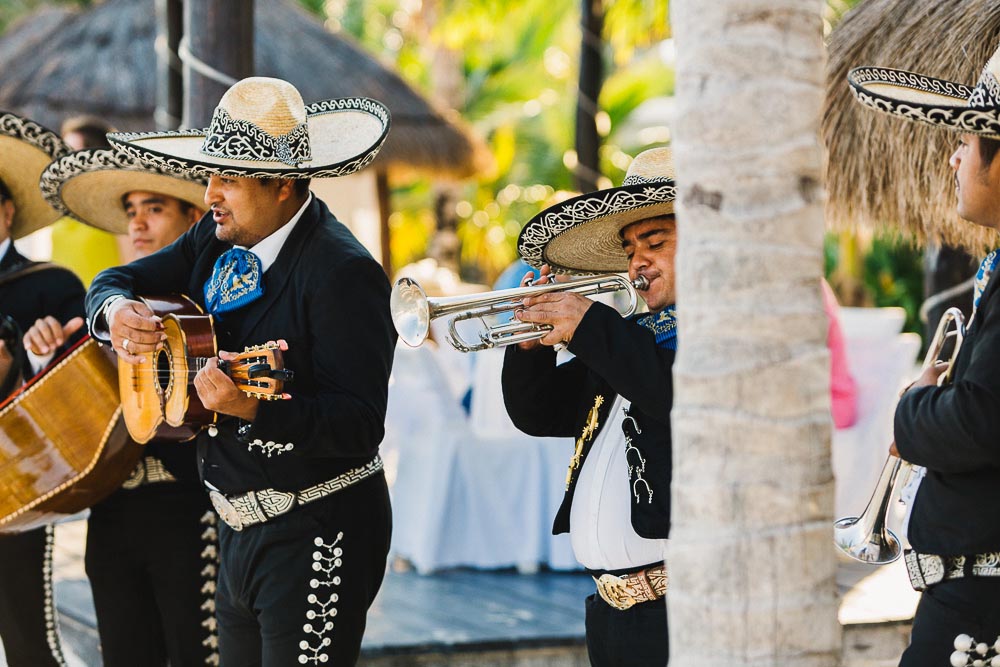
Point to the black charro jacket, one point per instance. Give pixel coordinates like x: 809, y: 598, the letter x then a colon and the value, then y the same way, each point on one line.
x: 954, y: 431
x: 329, y: 299
x: 54, y: 291
x: 613, y: 356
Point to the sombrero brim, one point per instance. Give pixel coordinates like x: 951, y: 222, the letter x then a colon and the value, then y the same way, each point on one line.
x: 344, y: 137
x: 923, y: 99
x: 89, y: 185
x: 583, y: 234
x: 27, y: 148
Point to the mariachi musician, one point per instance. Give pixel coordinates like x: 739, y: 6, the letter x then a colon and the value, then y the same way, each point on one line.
x: 29, y: 291
x: 151, y: 545
x: 297, y: 483
x: 614, y: 397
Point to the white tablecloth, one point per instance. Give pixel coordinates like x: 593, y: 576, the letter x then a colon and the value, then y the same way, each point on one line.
x: 468, y: 490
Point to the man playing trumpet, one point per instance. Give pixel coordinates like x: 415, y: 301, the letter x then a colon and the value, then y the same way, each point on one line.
x: 614, y: 397
x: 954, y: 526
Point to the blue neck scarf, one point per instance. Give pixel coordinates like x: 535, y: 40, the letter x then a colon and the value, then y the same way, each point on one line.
x: 663, y: 325
x: 235, y: 282
x: 983, y: 277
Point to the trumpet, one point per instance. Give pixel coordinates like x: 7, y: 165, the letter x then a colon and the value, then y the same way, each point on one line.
x: 867, y: 538
x: 412, y: 310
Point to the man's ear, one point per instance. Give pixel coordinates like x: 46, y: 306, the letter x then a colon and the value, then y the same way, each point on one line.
x: 286, y: 188
x: 7, y: 214
x: 194, y: 215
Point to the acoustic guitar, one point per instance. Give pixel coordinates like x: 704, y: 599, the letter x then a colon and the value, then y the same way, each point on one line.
x: 63, y: 446
x: 157, y: 395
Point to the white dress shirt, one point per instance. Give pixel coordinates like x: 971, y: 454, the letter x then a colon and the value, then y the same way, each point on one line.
x: 600, y: 519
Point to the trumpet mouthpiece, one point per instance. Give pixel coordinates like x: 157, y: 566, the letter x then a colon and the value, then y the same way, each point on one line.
x: 641, y: 283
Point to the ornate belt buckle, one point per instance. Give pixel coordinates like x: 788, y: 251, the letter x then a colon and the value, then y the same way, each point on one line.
x: 226, y: 511
x: 615, y: 591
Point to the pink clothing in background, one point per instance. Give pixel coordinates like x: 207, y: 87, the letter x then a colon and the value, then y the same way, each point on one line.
x: 843, y: 391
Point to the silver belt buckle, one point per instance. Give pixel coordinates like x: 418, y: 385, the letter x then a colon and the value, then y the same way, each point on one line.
x: 226, y: 511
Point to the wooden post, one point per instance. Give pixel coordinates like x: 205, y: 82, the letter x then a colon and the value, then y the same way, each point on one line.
x: 218, y: 35
x: 588, y: 141
x: 169, y: 75
x: 384, y: 209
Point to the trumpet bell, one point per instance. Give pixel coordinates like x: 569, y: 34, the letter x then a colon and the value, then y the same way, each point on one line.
x: 411, y: 313
x: 857, y: 541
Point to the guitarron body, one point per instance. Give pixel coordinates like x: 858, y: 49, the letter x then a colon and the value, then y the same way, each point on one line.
x: 63, y: 446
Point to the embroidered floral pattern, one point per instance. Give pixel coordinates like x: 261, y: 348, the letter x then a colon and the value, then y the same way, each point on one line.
x: 323, y: 603
x: 269, y: 447
x: 209, y: 572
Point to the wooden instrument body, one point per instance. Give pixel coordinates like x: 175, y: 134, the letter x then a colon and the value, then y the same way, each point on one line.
x: 158, y: 395
x: 63, y: 446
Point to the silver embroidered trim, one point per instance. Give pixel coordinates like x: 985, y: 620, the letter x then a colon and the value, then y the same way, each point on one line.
x: 542, y: 229
x: 209, y: 574
x: 256, y: 507
x: 925, y: 570
x: 963, y: 119
x: 639, y: 468
x: 237, y: 139
x: 149, y: 470
x: 65, y: 168
x: 29, y: 131
x: 270, y: 447
x: 322, y: 609
x: 51, y: 613
x: 204, y: 170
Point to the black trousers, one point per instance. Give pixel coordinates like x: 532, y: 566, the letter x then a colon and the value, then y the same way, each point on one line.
x: 636, y: 637
x: 296, y: 590
x: 962, y: 606
x: 152, y: 563
x: 27, y: 611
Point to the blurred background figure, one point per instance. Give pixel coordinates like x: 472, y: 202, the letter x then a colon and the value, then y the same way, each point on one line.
x: 83, y: 249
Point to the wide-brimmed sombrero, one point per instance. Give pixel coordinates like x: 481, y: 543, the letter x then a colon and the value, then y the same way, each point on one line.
x: 925, y: 99
x: 583, y: 234
x: 90, y: 184
x: 262, y: 129
x: 26, y: 148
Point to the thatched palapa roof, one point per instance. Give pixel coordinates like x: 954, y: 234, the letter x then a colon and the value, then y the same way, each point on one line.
x: 101, y: 61
x: 884, y: 171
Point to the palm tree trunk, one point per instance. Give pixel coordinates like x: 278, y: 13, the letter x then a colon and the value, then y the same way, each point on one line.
x: 751, y: 555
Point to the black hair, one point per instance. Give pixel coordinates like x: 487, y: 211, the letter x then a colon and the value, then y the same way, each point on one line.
x: 300, y: 186
x: 988, y: 149
x: 5, y: 193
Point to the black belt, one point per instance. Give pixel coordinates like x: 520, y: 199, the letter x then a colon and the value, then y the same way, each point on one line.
x: 925, y: 570
x: 255, y: 507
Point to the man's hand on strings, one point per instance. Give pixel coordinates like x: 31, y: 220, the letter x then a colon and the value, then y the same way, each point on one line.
x: 219, y: 393
x: 135, y: 330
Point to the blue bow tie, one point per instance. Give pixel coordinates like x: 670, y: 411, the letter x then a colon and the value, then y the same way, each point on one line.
x: 235, y: 282
x: 663, y: 325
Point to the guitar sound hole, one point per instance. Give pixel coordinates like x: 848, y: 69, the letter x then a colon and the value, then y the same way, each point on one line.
x: 163, y: 371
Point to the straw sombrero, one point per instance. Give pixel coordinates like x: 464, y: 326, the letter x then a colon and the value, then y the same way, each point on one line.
x: 262, y: 129
x: 583, y: 234
x: 937, y: 102
x: 90, y: 184
x: 26, y: 148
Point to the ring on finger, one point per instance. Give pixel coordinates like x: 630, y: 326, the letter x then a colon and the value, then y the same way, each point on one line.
x: 125, y: 343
